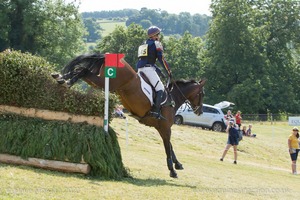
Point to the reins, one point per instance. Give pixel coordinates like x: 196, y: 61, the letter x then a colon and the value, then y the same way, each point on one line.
x: 186, y: 99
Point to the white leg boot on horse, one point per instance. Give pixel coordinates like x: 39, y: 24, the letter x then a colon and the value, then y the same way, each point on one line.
x: 61, y: 80
x: 56, y: 76
x: 156, y: 107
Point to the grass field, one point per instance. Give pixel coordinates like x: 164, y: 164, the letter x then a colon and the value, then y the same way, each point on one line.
x: 109, y: 26
x: 263, y: 169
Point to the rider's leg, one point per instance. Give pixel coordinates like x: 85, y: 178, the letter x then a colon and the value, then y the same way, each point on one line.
x: 158, y: 99
x: 159, y: 88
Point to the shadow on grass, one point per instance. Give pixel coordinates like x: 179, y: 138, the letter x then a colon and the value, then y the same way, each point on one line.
x: 148, y: 182
x: 155, y: 182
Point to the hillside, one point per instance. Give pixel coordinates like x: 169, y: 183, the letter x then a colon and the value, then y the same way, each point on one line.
x: 262, y: 172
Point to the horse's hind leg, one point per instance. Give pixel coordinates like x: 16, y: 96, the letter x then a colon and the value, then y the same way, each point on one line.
x: 178, y: 165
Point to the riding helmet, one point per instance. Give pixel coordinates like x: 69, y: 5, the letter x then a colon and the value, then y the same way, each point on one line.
x: 153, y: 30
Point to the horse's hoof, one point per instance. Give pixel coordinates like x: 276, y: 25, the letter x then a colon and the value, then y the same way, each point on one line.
x: 61, y: 81
x: 56, y: 76
x: 178, y: 166
x: 173, y: 174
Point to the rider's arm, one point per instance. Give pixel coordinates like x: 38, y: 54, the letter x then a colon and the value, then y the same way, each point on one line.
x: 160, y: 57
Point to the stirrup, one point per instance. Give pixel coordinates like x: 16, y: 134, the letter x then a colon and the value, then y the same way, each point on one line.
x: 157, y: 115
x: 161, y: 117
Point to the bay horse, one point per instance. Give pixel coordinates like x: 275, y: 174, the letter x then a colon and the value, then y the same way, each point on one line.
x: 127, y: 85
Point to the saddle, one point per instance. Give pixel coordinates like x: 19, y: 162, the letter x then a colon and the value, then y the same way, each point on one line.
x: 150, y: 92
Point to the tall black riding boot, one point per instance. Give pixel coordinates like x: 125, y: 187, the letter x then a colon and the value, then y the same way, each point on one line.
x: 158, y: 99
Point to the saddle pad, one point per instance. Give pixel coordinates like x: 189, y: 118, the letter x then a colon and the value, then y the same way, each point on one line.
x: 146, y: 88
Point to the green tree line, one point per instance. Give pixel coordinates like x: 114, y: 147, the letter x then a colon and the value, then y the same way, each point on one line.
x: 250, y: 53
x: 51, y: 29
x: 172, y: 24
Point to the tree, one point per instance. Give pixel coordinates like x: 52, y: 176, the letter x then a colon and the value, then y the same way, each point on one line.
x: 246, y: 50
x: 145, y: 23
x: 93, y: 29
x: 51, y: 29
x: 125, y: 41
x: 184, y: 55
x: 281, y: 29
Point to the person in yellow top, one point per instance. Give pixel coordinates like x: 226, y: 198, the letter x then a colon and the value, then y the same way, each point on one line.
x: 293, y: 144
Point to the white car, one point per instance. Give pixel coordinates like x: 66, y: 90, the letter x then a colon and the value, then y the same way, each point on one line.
x: 212, y: 117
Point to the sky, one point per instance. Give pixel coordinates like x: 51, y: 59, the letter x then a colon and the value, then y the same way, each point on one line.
x: 171, y: 6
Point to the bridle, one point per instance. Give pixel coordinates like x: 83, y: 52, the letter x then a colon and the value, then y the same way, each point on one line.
x: 195, y: 108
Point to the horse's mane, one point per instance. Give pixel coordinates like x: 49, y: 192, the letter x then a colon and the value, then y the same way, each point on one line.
x: 88, y: 61
x: 183, y: 82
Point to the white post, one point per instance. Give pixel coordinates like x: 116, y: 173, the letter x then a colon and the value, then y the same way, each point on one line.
x: 126, y: 131
x: 106, y: 106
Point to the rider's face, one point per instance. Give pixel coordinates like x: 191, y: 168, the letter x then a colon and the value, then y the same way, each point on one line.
x: 156, y: 37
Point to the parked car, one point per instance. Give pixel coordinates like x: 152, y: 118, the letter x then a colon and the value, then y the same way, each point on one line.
x: 212, y: 117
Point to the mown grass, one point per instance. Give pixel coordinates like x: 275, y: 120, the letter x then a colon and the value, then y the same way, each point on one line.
x: 109, y: 26
x: 263, y: 169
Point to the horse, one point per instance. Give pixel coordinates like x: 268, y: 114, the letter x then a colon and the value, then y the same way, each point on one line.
x: 127, y: 85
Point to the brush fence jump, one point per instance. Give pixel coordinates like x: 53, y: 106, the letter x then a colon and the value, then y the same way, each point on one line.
x: 52, y: 115
x: 49, y: 115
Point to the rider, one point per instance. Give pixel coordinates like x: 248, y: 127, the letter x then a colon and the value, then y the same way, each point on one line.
x: 150, y: 51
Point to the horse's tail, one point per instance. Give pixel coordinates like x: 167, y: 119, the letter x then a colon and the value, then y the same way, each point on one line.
x: 87, y: 61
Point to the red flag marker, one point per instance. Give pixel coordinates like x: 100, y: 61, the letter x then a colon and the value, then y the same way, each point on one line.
x: 113, y: 60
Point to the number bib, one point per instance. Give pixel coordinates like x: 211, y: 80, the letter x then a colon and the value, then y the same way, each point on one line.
x: 143, y: 50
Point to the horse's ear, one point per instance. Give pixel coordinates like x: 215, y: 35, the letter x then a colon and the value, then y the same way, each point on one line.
x: 202, y: 81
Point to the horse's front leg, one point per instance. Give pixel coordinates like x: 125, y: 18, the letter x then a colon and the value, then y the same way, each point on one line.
x: 178, y: 165
x: 168, y: 150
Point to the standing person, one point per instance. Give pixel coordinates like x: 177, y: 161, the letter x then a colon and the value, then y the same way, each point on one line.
x: 238, y: 119
x: 233, y: 140
x: 148, y: 53
x: 293, y: 145
x: 228, y: 117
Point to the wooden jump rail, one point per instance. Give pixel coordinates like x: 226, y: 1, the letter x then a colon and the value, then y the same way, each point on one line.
x: 46, y: 164
x: 49, y: 115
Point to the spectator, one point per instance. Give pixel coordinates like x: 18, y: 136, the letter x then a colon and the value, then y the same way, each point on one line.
x: 293, y: 144
x: 119, y: 112
x: 233, y: 140
x: 249, y: 131
x: 238, y: 119
x: 228, y: 117
x: 244, y: 130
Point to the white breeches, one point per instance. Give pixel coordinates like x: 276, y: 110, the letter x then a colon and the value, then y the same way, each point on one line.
x: 153, y: 77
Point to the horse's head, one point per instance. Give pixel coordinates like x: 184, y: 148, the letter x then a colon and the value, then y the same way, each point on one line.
x: 196, y: 97
x: 193, y: 93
